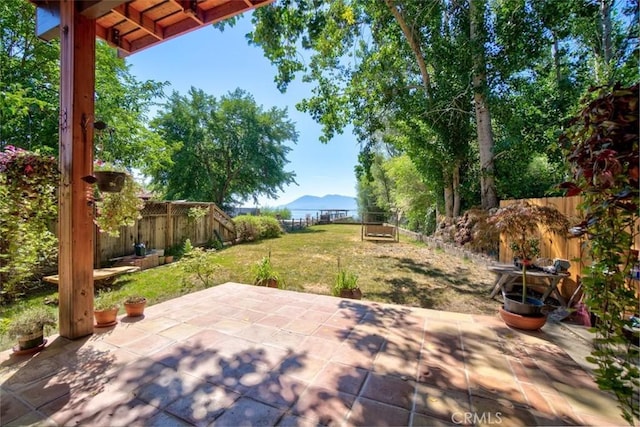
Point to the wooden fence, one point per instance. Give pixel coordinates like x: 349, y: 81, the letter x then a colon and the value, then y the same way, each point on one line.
x: 555, y: 246
x: 164, y: 224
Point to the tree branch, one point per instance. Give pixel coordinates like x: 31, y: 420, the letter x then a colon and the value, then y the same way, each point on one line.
x: 413, y: 43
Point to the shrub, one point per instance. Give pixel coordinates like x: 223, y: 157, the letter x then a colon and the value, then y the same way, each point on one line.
x: 269, y: 227
x: 249, y: 228
x: 199, y: 262
x: 28, y: 208
x: 282, y: 213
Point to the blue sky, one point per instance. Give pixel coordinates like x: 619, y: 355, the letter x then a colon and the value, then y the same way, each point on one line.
x: 218, y: 62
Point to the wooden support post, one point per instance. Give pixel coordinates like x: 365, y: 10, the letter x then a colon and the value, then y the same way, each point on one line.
x: 77, y: 85
x: 168, y: 237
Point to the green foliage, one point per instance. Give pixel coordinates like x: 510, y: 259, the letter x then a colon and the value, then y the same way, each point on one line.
x: 250, y: 228
x: 134, y: 299
x: 29, y: 95
x: 230, y: 149
x: 187, y: 247
x: 282, y: 213
x: 264, y: 272
x: 269, y: 228
x: 198, y: 262
x: 603, y: 148
x: 196, y: 212
x: 174, y: 250
x: 344, y: 280
x: 31, y: 320
x: 28, y: 209
x: 115, y: 210
x: 106, y: 299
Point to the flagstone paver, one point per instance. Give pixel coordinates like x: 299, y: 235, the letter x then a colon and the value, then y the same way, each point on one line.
x: 246, y: 355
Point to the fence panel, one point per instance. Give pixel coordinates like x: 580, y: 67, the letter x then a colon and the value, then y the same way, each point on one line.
x: 555, y: 246
x: 164, y: 224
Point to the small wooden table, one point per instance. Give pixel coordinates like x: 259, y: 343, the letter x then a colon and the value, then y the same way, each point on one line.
x: 99, y: 274
x: 507, y: 275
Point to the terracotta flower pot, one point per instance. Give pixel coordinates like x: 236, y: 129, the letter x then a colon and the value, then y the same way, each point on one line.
x: 527, y: 323
x: 135, y: 309
x: 27, y: 342
x: 351, y: 293
x: 105, y: 317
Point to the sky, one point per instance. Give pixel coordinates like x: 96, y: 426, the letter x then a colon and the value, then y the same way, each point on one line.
x: 218, y: 62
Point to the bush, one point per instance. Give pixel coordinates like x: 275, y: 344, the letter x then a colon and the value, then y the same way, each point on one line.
x: 199, y: 262
x: 269, y: 227
x: 281, y: 213
x: 247, y: 228
x: 28, y: 209
x: 250, y: 228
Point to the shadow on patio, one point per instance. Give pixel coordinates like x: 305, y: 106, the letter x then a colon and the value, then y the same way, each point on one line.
x: 245, y: 355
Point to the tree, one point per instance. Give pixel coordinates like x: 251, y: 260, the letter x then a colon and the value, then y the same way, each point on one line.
x: 227, y: 150
x: 29, y: 95
x: 377, y: 65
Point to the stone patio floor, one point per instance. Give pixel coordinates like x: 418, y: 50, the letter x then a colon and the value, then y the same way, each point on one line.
x: 237, y: 355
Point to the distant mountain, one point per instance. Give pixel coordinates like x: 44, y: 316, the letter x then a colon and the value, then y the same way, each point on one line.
x: 330, y: 201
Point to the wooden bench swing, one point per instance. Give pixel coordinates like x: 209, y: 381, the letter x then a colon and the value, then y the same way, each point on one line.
x: 374, y: 228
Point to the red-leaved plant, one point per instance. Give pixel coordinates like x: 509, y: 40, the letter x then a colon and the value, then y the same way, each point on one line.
x: 603, y: 149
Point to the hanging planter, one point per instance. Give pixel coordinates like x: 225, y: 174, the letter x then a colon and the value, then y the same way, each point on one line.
x: 110, y: 181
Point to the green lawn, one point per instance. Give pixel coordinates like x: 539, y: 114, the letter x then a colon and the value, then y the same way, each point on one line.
x: 404, y: 273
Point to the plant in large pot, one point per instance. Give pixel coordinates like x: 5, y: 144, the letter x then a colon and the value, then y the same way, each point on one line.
x: 105, y: 308
x: 518, y: 223
x: 345, y: 284
x: 265, y: 274
x: 28, y: 328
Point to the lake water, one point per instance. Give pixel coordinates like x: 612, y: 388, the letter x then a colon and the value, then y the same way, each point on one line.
x: 313, y: 213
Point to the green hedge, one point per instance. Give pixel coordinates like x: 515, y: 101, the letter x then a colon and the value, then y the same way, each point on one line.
x: 251, y: 228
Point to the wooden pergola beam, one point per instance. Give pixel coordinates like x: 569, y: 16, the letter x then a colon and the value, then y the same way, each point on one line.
x: 190, y: 7
x: 75, y: 227
x: 146, y: 24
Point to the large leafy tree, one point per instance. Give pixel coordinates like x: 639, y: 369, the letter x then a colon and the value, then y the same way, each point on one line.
x: 228, y: 149
x: 385, y: 67
x: 29, y: 100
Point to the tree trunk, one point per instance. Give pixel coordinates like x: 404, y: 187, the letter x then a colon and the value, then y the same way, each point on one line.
x: 604, y: 74
x: 455, y: 183
x: 555, y: 52
x: 448, y: 197
x: 605, y: 15
x: 483, y: 116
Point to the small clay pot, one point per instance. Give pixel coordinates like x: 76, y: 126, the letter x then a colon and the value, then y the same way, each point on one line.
x: 135, y: 309
x: 105, y: 317
x: 351, y: 293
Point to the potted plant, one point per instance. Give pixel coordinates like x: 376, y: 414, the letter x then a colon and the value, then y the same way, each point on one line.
x: 172, y: 252
x: 517, y: 222
x: 345, y: 285
x: 28, y: 328
x: 105, y: 308
x: 121, y: 209
x: 264, y: 273
x: 134, y: 305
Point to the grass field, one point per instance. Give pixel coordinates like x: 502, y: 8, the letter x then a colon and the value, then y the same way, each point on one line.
x: 407, y: 272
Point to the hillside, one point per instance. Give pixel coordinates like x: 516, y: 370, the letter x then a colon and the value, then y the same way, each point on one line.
x: 330, y: 201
